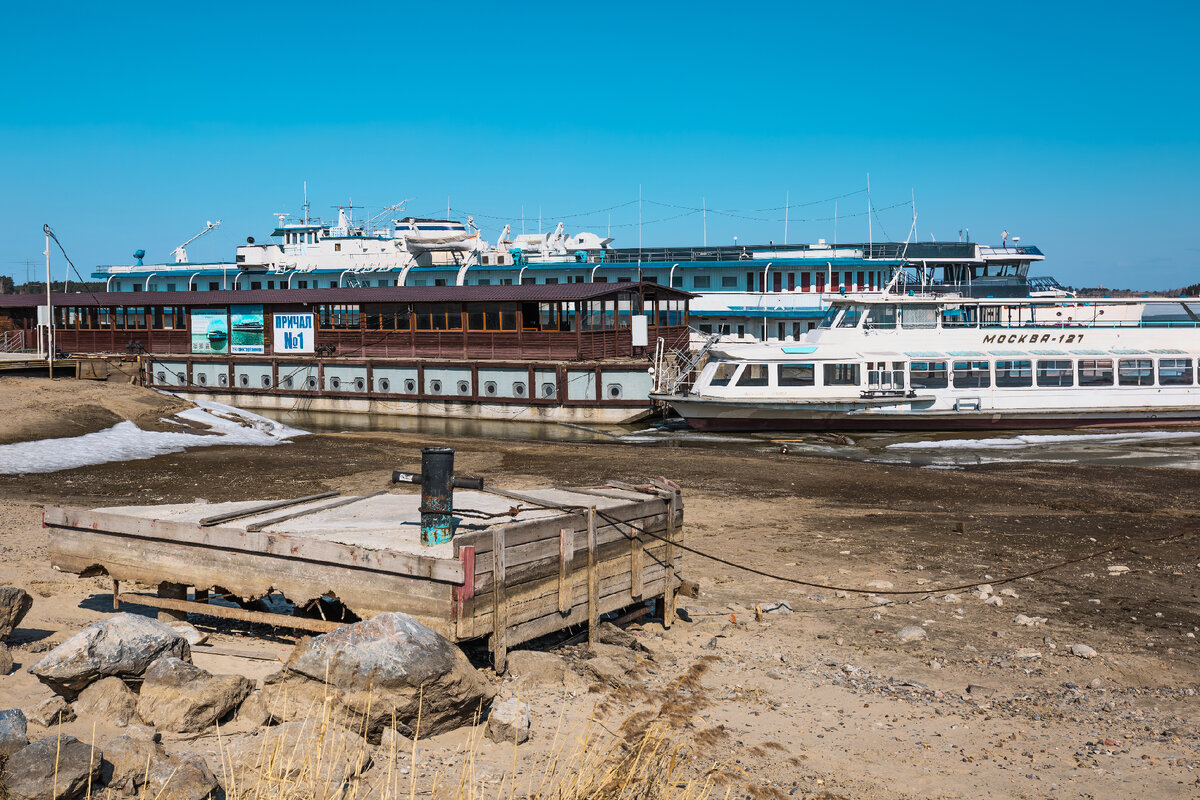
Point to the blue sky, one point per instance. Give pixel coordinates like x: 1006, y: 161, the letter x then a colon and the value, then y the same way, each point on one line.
x: 1074, y: 126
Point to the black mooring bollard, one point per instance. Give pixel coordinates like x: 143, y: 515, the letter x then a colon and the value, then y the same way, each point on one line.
x: 437, y: 481
x: 437, y: 495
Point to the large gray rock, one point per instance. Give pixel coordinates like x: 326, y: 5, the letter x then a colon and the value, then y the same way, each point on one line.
x: 508, y: 721
x: 127, y: 762
x: 51, y: 769
x: 107, y: 699
x: 315, y: 754
x: 123, y: 645
x: 14, y: 605
x: 179, y: 697
x: 389, y: 668
x: 185, y: 777
x: 12, y: 731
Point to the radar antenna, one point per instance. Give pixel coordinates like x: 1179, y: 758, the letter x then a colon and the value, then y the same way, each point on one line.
x: 181, y: 253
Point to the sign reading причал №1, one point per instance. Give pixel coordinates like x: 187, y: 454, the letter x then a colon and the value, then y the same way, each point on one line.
x: 293, y: 333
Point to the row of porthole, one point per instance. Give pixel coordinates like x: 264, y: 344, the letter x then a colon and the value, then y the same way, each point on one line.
x: 360, y: 384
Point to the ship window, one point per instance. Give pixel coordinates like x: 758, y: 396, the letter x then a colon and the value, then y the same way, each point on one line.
x: 701, y: 282
x: 882, y: 316
x: 972, y: 375
x: 797, y: 375
x: 706, y: 329
x: 1011, y: 374
x: 754, y: 375
x: 1095, y: 372
x: 841, y: 375
x: 918, y: 317
x: 723, y: 374
x: 831, y: 314
x: 1055, y: 373
x: 1135, y: 372
x: 927, y: 375
x: 1174, y: 372
x: 852, y: 316
x: 729, y: 281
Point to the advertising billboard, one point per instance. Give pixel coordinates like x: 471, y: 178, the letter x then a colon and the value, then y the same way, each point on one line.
x: 246, y: 329
x: 210, y: 330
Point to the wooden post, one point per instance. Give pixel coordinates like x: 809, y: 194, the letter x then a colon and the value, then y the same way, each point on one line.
x: 593, y: 579
x: 499, y: 603
x: 636, y: 549
x: 669, y: 578
x: 566, y: 552
x: 172, y: 591
x: 116, y: 595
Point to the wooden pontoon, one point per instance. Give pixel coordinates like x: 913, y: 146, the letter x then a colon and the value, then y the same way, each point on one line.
x: 519, y: 566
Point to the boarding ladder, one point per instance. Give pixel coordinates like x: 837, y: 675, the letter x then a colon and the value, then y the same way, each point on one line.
x: 673, y: 370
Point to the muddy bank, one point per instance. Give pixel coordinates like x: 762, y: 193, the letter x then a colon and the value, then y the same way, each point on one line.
x: 39, y: 408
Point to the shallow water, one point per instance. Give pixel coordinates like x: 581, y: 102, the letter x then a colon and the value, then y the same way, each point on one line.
x: 1167, y: 447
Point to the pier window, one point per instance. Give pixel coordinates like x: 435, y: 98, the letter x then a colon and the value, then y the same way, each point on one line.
x: 1055, y: 373
x: 1135, y: 372
x: 385, y: 317
x: 754, y: 375
x: 842, y: 374
x: 1095, y: 372
x: 927, y: 375
x: 1174, y: 372
x: 797, y: 375
x: 972, y: 375
x: 1014, y: 374
x: 339, y: 316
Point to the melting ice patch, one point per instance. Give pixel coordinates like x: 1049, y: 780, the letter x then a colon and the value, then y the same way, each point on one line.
x: 1044, y: 440
x: 125, y: 441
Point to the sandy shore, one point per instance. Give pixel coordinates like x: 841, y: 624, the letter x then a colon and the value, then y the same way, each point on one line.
x: 825, y: 701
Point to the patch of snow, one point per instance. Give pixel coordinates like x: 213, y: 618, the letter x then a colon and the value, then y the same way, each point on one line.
x: 1038, y: 440
x: 125, y: 441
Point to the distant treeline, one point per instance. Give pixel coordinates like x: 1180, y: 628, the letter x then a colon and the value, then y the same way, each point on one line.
x: 1099, y: 291
x: 9, y: 286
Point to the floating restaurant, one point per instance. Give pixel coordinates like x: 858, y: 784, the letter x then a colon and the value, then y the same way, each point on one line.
x: 566, y: 352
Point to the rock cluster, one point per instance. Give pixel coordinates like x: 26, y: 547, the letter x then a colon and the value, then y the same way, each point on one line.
x: 337, y: 696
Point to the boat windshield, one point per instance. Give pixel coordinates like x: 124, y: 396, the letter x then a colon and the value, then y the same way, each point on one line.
x: 830, y: 316
x: 852, y: 316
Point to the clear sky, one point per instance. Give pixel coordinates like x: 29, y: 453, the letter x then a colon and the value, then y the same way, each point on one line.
x: 1074, y: 126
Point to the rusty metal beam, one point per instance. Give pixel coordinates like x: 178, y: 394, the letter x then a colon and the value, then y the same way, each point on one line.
x: 254, y: 511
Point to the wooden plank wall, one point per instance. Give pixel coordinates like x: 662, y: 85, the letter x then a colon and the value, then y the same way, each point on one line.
x: 545, y: 573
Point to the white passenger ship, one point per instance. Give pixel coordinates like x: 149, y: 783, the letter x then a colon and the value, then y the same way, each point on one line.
x: 954, y: 363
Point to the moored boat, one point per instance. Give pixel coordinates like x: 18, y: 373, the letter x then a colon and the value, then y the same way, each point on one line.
x: 955, y: 363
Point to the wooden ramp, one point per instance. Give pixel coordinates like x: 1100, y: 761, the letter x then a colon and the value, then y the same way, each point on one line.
x: 520, y: 565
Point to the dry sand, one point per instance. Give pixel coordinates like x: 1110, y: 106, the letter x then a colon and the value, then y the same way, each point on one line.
x: 823, y: 702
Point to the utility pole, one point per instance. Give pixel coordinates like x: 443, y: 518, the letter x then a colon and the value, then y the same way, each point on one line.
x: 49, y: 309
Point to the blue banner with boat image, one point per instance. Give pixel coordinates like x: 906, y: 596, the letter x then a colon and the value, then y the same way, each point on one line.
x: 210, y: 330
